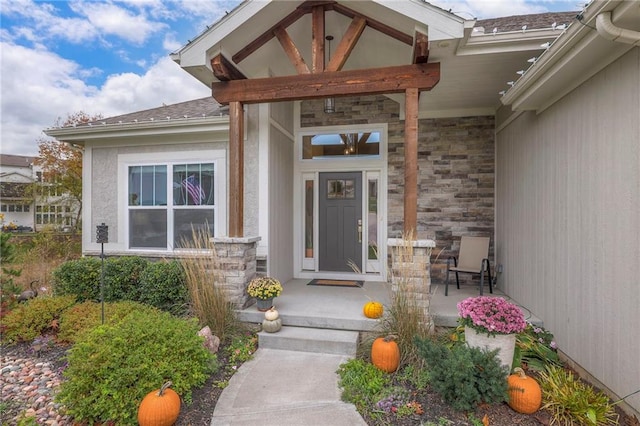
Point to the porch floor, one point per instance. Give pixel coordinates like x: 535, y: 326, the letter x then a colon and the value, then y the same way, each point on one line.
x: 304, y: 305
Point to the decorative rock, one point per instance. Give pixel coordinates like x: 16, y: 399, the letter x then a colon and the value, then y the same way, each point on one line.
x: 211, y: 342
x: 30, y: 386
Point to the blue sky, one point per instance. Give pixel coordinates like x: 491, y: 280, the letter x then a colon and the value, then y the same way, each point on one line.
x: 111, y: 57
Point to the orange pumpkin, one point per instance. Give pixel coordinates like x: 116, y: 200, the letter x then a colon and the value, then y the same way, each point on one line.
x: 525, y: 395
x: 385, y: 354
x: 160, y: 407
x: 373, y: 309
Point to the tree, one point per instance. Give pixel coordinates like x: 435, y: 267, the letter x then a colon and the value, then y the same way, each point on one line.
x: 61, y: 163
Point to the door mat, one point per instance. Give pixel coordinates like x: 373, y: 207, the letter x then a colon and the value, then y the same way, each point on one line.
x: 337, y: 283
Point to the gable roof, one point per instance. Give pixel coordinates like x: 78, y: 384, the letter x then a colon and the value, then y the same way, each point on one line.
x: 532, y: 21
x: 203, y: 115
x: 197, y: 108
x: 10, y: 160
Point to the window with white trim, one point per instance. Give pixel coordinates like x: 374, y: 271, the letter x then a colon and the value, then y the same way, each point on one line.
x: 168, y: 202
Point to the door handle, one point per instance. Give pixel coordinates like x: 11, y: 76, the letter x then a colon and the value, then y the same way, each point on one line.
x: 359, y: 230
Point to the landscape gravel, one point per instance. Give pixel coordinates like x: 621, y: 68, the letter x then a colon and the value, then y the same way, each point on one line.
x: 27, y: 386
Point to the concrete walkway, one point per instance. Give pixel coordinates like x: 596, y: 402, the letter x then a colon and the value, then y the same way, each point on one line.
x: 283, y: 388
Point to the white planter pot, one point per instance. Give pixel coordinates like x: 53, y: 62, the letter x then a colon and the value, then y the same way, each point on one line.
x: 505, y: 342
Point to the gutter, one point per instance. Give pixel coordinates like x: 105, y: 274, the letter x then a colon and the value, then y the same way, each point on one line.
x: 574, y: 46
x: 84, y: 132
x: 608, y: 30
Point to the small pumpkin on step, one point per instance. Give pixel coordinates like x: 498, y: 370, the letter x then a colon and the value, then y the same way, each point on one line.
x: 373, y: 309
x: 272, y: 321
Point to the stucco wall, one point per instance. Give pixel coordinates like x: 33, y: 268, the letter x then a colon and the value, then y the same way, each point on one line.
x: 568, y: 221
x: 456, y: 170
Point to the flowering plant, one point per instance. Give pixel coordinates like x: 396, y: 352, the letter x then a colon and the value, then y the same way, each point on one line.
x: 264, y: 288
x: 493, y: 315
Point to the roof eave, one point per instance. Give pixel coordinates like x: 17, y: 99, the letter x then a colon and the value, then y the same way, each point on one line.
x: 82, y: 134
x: 575, y: 56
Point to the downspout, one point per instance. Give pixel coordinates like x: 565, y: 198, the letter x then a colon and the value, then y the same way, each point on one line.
x: 608, y: 30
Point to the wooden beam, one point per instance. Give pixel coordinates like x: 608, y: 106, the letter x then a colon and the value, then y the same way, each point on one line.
x: 236, y: 170
x: 348, y: 42
x: 420, y: 48
x: 317, y: 38
x: 376, y: 25
x: 291, y: 50
x: 411, y: 161
x: 395, y: 79
x: 224, y: 70
x: 268, y: 35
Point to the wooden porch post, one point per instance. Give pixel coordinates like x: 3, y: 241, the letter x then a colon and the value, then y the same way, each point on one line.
x: 236, y: 169
x: 411, y: 161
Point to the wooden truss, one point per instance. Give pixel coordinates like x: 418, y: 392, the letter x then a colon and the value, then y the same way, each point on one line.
x: 321, y: 80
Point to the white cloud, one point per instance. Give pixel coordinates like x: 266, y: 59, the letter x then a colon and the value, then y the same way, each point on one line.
x: 38, y: 87
x: 42, y: 22
x: 111, y: 19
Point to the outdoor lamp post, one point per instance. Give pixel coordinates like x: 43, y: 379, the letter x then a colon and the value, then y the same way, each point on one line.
x: 102, y: 237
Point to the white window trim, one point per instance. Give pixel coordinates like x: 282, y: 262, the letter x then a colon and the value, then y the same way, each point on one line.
x: 218, y: 157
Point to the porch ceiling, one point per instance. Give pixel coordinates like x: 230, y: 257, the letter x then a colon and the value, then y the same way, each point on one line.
x: 470, y: 81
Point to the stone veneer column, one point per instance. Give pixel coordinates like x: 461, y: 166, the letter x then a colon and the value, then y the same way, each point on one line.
x: 411, y: 269
x: 236, y: 266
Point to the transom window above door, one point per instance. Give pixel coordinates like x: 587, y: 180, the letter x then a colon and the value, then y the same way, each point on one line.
x: 348, y: 144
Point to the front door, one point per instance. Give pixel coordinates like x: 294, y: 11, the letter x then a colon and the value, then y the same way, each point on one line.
x: 340, y: 221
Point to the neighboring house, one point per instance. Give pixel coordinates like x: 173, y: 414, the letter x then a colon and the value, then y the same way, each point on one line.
x: 21, y: 209
x: 522, y: 128
x: 16, y: 206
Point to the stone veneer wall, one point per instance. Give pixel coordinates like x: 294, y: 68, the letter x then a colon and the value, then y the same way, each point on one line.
x: 236, y: 266
x: 456, y: 162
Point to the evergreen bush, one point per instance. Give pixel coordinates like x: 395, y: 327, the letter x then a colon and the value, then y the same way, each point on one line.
x: 34, y: 317
x: 162, y: 284
x: 86, y: 316
x: 122, y: 278
x: 112, y: 367
x: 464, y: 376
x: 79, y: 277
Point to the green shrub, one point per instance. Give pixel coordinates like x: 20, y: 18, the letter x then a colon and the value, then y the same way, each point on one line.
x: 464, y: 376
x: 112, y: 367
x: 80, y: 277
x: 8, y: 256
x: 29, y: 320
x: 162, y: 284
x: 536, y: 348
x: 241, y: 349
x: 122, y: 277
x: 571, y: 401
x: 361, y: 383
x: 84, y: 317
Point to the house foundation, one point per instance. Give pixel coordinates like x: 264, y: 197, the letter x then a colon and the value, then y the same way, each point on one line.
x: 236, y: 266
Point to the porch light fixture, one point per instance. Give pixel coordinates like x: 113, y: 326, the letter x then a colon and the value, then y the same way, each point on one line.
x: 329, y: 103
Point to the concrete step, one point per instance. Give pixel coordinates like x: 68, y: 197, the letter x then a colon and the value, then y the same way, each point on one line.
x: 317, y: 340
x: 345, y: 321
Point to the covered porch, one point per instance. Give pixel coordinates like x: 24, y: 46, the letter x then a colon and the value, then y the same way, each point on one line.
x: 340, y: 308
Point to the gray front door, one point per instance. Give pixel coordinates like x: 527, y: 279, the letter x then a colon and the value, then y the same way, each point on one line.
x: 340, y: 221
